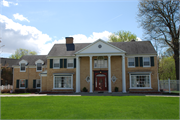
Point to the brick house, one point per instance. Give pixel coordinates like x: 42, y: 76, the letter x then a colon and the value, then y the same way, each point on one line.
x: 98, y: 66
x: 7, y: 70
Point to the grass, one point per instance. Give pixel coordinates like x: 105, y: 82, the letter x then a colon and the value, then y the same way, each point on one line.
x: 90, y: 107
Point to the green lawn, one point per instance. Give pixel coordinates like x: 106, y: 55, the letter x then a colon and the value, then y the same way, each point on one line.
x: 90, y: 107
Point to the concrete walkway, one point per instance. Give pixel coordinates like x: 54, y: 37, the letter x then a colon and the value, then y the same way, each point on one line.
x: 91, y: 94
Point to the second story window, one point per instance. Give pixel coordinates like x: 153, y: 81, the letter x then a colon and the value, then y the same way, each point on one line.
x: 146, y: 61
x: 23, y: 67
x: 100, y: 62
x: 70, y: 63
x: 131, y: 62
x: 39, y: 66
x: 56, y: 63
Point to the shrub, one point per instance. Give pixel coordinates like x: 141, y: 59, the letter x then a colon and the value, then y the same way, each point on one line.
x: 5, y: 91
x: 85, y: 89
x: 32, y: 90
x: 20, y: 90
x: 116, y: 89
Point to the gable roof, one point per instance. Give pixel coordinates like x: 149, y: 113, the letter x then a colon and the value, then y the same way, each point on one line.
x: 8, y: 61
x: 131, y: 48
x: 31, y: 59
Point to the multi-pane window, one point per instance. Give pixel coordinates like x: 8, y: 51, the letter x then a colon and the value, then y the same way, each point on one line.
x: 22, y: 66
x: 131, y: 62
x: 146, y: 61
x: 56, y: 63
x: 100, y: 62
x: 62, y: 82
x: 70, y: 63
x: 140, y: 81
x: 22, y: 83
x: 38, y: 83
x: 39, y: 66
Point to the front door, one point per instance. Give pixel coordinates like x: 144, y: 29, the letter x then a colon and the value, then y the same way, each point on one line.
x: 101, y: 86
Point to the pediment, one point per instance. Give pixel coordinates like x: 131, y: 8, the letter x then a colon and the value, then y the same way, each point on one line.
x: 100, y: 46
x: 23, y: 61
x: 39, y: 61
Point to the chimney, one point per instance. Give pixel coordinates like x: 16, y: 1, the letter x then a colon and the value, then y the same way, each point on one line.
x: 133, y: 40
x: 69, y: 40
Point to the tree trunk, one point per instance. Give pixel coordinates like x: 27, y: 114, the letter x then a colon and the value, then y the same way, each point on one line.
x: 176, y: 59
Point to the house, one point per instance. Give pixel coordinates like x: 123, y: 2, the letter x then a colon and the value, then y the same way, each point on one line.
x: 7, y: 70
x: 98, y: 66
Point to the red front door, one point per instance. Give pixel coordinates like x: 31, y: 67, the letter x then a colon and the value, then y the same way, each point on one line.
x: 101, y: 85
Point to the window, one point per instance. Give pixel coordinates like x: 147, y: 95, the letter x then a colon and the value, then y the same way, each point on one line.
x: 23, y: 67
x: 70, y: 63
x: 140, y: 81
x: 131, y: 62
x: 22, y: 84
x: 100, y: 62
x: 56, y: 63
x: 38, y: 83
x: 62, y: 82
x: 39, y: 66
x: 146, y: 61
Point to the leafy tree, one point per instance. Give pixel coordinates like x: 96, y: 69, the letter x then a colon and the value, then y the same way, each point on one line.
x: 160, y: 20
x: 20, y: 52
x: 122, y: 36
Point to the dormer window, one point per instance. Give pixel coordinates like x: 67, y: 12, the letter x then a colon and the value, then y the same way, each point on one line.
x: 23, y: 69
x: 39, y: 66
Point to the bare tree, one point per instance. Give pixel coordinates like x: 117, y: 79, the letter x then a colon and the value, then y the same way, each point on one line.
x: 160, y: 20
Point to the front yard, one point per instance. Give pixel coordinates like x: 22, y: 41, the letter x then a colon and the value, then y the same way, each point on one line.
x: 90, y: 107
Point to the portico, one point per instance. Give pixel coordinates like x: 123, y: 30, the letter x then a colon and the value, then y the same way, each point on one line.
x: 96, y: 49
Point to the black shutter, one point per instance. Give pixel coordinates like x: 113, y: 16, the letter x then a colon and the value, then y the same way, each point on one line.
x: 65, y: 63
x: 152, y: 61
x: 61, y: 63
x: 17, y: 84
x: 136, y: 61
x: 141, y: 61
x: 51, y: 63
x: 34, y: 83
x: 26, y: 83
x: 74, y: 62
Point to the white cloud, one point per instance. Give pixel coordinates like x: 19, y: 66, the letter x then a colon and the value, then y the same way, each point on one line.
x: 20, y: 17
x: 15, y: 36
x: 139, y: 39
x: 6, y: 3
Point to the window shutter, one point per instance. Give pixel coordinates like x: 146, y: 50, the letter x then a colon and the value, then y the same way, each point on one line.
x: 34, y: 83
x: 17, y: 84
x: 74, y: 62
x: 61, y: 63
x: 141, y: 61
x: 152, y: 61
x: 26, y: 83
x: 51, y: 63
x: 65, y: 63
x: 136, y: 61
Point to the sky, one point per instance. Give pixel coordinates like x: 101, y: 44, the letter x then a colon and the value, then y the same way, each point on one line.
x: 37, y: 25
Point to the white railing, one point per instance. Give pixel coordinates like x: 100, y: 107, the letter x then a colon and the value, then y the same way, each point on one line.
x: 169, y: 85
x: 3, y: 87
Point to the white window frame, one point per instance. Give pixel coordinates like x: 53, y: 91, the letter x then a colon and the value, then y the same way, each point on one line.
x: 54, y: 62
x: 36, y: 84
x: 149, y: 62
x: 128, y: 62
x: 20, y: 84
x: 24, y: 66
x: 71, y: 76
x: 103, y: 64
x: 141, y: 87
x: 72, y: 62
x: 37, y: 67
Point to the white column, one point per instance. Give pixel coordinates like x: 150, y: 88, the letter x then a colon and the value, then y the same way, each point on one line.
x: 77, y: 75
x: 109, y: 74
x: 90, y: 74
x: 123, y: 74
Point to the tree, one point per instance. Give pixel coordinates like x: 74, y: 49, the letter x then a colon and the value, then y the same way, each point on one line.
x: 122, y: 36
x: 160, y: 20
x: 20, y: 52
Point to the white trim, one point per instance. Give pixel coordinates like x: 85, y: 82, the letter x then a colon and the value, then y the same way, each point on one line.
x: 24, y: 83
x: 43, y: 75
x: 24, y: 66
x: 63, y: 76
x: 141, y: 55
x: 41, y: 67
x: 61, y: 57
x: 99, y: 54
x: 72, y: 62
x: 103, y: 61
x: 109, y: 74
x: 149, y: 62
x: 23, y: 61
x: 39, y: 61
x: 141, y: 88
x: 62, y: 88
x: 123, y: 75
x: 90, y: 57
x: 40, y: 84
x: 128, y: 62
x: 121, y: 51
x: 58, y: 62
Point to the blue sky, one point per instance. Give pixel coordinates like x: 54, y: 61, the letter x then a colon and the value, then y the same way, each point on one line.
x: 38, y: 24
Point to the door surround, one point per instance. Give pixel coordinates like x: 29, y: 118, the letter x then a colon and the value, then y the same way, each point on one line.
x: 102, y: 73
